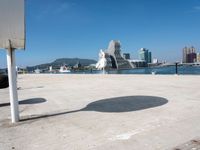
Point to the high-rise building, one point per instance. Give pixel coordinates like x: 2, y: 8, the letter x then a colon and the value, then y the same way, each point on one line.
x: 185, y: 51
x: 126, y: 55
x: 189, y: 55
x: 145, y: 55
x: 149, y: 57
x: 198, y: 57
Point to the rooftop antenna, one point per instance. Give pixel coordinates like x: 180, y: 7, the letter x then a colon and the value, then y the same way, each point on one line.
x: 12, y: 37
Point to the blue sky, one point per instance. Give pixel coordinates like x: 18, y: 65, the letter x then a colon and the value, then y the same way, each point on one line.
x: 80, y: 28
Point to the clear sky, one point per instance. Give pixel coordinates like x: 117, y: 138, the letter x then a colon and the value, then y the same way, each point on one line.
x: 80, y: 28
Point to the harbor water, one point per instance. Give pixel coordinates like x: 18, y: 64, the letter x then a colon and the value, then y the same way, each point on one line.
x: 183, y: 70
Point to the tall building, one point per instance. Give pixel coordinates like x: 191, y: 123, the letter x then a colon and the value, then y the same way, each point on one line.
x: 189, y: 55
x: 149, y: 57
x: 185, y: 51
x: 145, y: 55
x: 198, y: 57
x: 126, y: 55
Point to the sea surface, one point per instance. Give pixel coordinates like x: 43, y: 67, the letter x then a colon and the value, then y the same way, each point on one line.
x: 184, y: 70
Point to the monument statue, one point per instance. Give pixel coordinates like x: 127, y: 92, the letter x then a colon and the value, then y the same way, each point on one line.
x: 102, y: 63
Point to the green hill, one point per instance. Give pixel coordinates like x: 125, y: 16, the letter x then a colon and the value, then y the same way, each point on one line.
x: 63, y: 61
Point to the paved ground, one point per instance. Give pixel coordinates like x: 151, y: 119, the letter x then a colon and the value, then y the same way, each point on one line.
x: 102, y: 112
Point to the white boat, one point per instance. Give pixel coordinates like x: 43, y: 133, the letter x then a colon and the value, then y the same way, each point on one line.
x: 63, y: 69
x: 37, y: 71
x: 197, y: 64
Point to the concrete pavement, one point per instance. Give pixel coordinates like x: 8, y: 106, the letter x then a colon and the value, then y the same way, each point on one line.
x: 81, y: 112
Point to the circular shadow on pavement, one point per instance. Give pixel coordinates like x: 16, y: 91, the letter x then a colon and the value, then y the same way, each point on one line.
x: 125, y: 104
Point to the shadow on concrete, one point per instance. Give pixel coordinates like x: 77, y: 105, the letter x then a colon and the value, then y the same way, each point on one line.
x: 112, y: 105
x: 27, y: 101
x: 125, y: 104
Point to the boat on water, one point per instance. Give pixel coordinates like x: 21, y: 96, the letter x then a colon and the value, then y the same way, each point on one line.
x: 64, y: 69
x: 37, y: 71
x: 197, y: 64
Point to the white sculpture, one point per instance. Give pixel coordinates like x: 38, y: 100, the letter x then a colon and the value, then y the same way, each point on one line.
x: 102, y: 63
x: 50, y: 69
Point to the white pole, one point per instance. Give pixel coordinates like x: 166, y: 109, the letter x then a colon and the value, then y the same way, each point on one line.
x: 12, y: 85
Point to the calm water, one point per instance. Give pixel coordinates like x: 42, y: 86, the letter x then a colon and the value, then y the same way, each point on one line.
x: 158, y: 70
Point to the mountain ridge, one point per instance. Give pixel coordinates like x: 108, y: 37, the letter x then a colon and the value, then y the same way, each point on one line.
x: 63, y: 61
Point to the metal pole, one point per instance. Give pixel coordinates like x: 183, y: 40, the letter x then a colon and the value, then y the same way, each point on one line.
x: 12, y: 85
x: 176, y: 68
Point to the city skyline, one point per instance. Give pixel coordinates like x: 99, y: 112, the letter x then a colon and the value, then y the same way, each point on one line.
x: 73, y: 28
